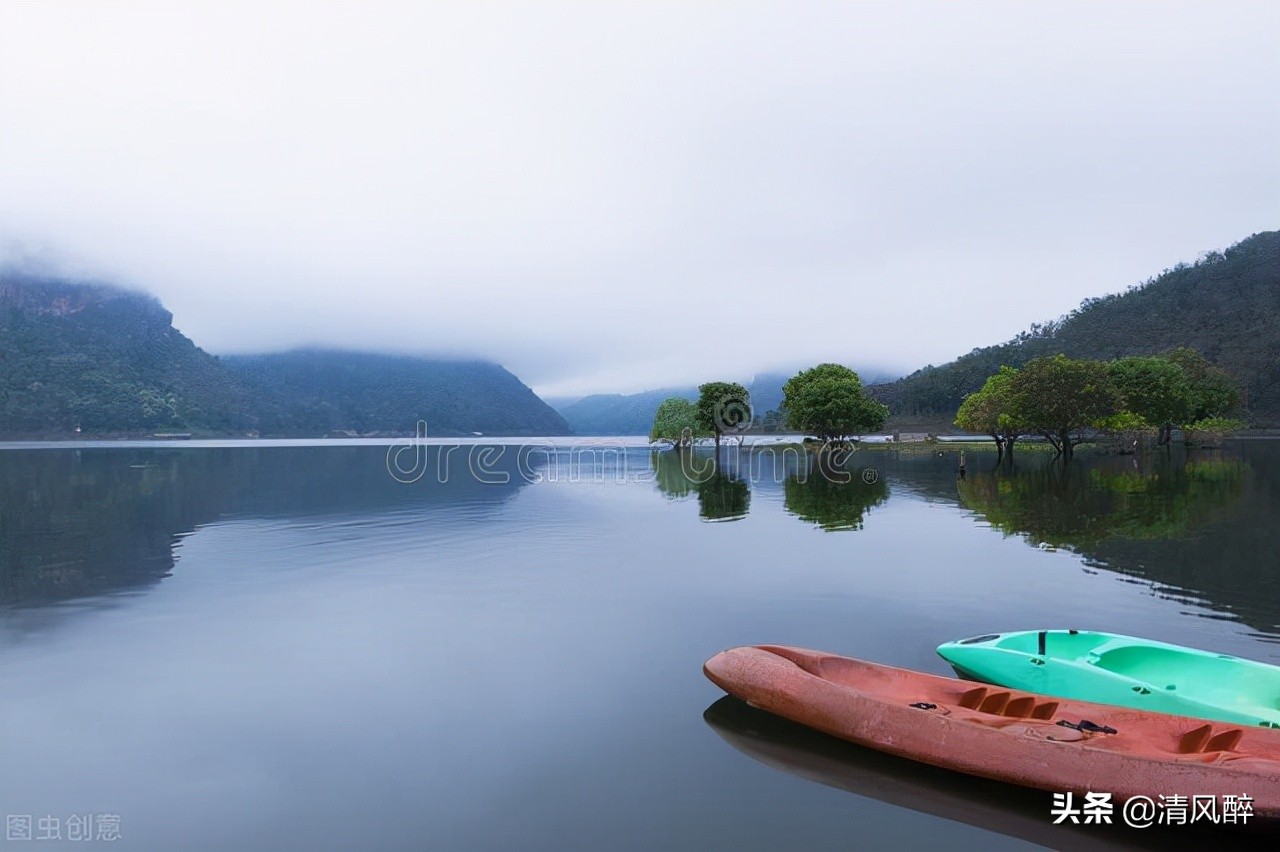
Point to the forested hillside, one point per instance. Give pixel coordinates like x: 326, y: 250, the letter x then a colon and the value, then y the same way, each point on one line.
x: 1226, y: 305
x: 105, y: 360
x: 619, y: 414
x: 323, y: 390
x: 102, y: 360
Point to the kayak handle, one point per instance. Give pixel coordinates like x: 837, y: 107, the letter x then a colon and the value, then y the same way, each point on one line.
x: 1088, y: 727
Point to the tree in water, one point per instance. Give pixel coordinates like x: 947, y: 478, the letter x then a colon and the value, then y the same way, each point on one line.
x: 1213, y: 392
x: 1154, y: 389
x: 1059, y: 397
x: 676, y: 423
x: 990, y: 411
x: 828, y: 402
x: 723, y: 408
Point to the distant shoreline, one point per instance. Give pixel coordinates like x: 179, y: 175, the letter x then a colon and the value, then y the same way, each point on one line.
x: 753, y: 441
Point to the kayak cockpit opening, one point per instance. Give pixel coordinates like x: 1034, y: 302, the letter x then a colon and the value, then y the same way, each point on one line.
x: 978, y: 640
x: 1060, y: 644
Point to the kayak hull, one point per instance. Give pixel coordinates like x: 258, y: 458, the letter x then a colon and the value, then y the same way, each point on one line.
x: 1006, y: 735
x: 1108, y: 668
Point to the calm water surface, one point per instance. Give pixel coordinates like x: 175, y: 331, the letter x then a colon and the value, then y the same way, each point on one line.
x: 282, y: 647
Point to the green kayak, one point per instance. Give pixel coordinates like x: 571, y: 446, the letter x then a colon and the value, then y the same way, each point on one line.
x: 1111, y: 669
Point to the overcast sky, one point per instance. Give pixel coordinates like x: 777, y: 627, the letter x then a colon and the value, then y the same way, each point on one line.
x: 622, y: 196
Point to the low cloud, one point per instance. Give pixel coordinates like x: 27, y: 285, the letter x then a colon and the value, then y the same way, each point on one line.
x: 623, y: 197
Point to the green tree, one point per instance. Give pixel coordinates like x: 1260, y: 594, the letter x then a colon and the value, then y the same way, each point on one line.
x: 989, y: 411
x: 1155, y: 389
x: 1213, y: 393
x: 723, y: 408
x: 828, y: 401
x: 1210, y: 431
x: 1059, y: 397
x: 676, y: 422
x: 1128, y: 431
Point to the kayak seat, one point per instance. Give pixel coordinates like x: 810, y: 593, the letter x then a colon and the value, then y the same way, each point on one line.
x: 1002, y: 703
x: 1203, y: 739
x: 1216, y: 679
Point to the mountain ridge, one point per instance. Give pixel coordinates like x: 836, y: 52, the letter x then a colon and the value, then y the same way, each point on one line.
x: 84, y: 357
x: 1226, y: 305
x: 343, y: 390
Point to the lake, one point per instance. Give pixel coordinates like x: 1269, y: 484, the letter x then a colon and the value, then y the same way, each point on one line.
x: 476, y: 646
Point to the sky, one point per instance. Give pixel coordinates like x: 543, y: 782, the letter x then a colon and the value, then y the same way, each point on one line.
x: 612, y: 197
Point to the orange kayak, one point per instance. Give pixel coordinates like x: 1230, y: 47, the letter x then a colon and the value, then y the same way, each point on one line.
x: 1018, y: 737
